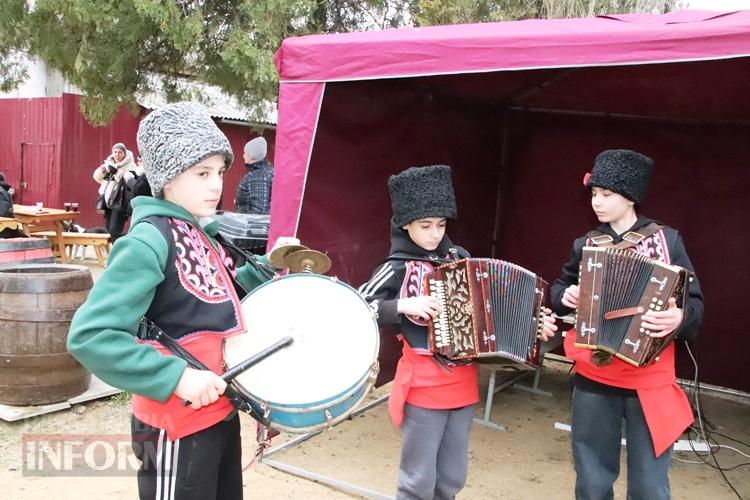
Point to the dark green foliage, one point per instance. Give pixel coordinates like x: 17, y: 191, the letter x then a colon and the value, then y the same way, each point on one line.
x: 113, y: 49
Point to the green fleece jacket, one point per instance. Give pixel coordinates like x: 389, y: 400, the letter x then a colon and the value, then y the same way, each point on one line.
x: 102, y: 333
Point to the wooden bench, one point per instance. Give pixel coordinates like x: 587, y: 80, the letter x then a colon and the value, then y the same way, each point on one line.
x: 9, y: 223
x: 74, y: 241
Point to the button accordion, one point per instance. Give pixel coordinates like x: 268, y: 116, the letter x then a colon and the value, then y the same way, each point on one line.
x: 616, y: 287
x: 491, y: 311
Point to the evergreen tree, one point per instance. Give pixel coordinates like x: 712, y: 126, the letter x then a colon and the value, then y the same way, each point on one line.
x: 114, y: 49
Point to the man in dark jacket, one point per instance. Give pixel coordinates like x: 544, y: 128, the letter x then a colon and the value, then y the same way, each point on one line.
x: 254, y: 191
x: 6, y: 208
x: 6, y: 201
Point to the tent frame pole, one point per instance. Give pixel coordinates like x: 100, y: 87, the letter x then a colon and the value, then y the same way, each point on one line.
x: 626, y: 116
x: 504, y: 141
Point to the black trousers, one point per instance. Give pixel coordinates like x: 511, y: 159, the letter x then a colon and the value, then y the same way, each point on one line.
x: 114, y: 221
x: 203, y: 466
x: 12, y: 233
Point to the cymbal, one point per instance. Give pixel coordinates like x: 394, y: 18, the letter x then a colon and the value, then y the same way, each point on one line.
x: 277, y: 256
x: 307, y: 260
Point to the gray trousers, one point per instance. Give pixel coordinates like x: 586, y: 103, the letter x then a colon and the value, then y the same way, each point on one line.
x: 597, y: 430
x: 434, y: 452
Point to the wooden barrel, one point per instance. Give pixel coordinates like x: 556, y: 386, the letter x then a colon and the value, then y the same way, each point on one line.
x: 37, y: 302
x: 25, y: 250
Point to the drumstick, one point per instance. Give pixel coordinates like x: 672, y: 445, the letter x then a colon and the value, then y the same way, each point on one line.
x: 233, y: 372
x: 237, y: 400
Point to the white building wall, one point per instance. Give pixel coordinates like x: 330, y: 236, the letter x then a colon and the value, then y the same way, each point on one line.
x: 41, y: 82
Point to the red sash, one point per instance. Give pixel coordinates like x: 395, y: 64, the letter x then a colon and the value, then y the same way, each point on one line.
x: 178, y: 420
x: 664, y: 404
x: 423, y: 382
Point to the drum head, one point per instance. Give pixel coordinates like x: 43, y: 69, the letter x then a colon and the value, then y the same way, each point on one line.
x: 336, y: 339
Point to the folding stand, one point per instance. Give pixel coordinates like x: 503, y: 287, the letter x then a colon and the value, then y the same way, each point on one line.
x: 548, y: 346
x: 519, y: 372
x: 545, y: 355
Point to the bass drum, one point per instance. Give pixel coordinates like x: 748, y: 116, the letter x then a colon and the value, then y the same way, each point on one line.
x: 329, y: 369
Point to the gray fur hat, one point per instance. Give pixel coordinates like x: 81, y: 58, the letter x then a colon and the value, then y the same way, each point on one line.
x: 257, y: 148
x: 175, y: 137
x: 622, y: 171
x: 420, y: 192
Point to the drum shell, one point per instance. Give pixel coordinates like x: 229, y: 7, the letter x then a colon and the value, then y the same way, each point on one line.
x: 303, y: 418
x: 37, y: 303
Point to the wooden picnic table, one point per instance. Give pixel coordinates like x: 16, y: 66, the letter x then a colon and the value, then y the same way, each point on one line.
x: 46, y: 217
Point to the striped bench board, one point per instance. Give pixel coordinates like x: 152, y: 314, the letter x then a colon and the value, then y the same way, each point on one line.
x: 25, y: 250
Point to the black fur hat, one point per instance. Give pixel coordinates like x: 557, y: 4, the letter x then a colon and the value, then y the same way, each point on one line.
x: 623, y: 171
x: 420, y: 192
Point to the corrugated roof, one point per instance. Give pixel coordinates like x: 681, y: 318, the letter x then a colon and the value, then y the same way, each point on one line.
x: 219, y: 104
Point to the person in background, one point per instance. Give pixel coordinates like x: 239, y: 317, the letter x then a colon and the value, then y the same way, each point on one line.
x: 6, y: 208
x: 6, y: 198
x: 254, y: 191
x: 113, y: 176
x: 138, y: 184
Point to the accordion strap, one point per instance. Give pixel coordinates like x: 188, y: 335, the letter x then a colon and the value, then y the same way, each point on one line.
x: 629, y: 239
x: 402, y: 256
x: 621, y: 313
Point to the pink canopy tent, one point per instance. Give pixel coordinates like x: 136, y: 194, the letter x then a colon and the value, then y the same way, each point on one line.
x: 519, y: 110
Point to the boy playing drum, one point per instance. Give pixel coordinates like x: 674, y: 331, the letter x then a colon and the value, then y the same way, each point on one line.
x: 171, y: 269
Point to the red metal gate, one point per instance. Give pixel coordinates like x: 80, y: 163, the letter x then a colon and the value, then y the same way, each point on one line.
x: 37, y: 174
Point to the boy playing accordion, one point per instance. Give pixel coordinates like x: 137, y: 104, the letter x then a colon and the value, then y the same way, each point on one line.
x: 432, y: 398
x: 654, y: 408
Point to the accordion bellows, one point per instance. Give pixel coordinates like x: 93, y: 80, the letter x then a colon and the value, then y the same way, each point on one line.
x: 618, y: 286
x: 491, y: 311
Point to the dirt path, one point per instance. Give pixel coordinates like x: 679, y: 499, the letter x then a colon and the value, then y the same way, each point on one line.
x: 530, y: 460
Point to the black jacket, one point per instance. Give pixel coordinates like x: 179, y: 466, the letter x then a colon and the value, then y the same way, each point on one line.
x: 693, y: 313
x: 384, y: 287
x: 6, y: 202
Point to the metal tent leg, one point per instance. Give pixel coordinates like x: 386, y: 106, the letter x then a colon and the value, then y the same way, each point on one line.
x: 335, y: 483
x: 319, y: 478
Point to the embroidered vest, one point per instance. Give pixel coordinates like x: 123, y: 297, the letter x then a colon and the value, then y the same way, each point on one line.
x: 197, y: 305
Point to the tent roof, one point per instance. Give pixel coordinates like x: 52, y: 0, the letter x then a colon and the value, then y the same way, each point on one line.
x: 493, y: 101
x: 475, y: 48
